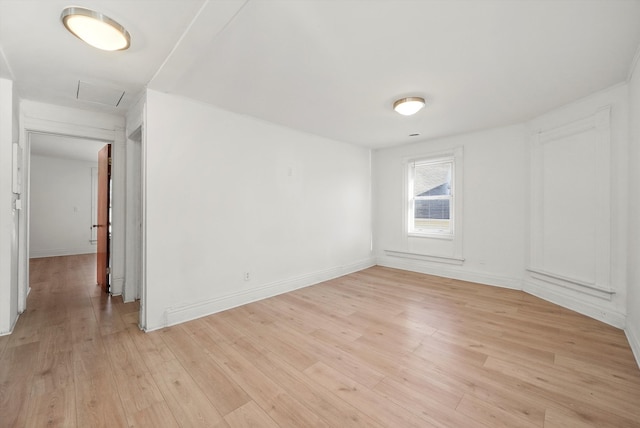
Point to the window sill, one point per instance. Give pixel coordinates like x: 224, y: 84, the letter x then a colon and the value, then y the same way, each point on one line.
x: 446, y: 236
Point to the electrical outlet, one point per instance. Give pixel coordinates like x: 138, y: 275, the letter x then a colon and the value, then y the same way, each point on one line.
x: 247, y: 276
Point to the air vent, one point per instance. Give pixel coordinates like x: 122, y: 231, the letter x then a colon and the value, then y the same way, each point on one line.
x: 99, y: 94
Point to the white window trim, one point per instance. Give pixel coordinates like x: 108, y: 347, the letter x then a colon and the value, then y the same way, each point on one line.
x: 411, y: 165
x: 457, y: 154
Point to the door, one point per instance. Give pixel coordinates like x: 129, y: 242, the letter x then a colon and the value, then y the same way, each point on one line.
x: 104, y: 217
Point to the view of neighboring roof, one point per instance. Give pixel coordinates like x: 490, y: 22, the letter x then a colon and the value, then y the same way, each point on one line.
x: 432, y: 180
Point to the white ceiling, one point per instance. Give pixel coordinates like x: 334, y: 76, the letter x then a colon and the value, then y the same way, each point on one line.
x: 333, y: 68
x: 46, y: 62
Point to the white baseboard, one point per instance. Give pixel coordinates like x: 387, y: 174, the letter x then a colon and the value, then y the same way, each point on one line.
x: 633, y: 337
x: 57, y: 252
x: 600, y: 313
x: 450, y: 272
x: 6, y: 333
x: 191, y: 311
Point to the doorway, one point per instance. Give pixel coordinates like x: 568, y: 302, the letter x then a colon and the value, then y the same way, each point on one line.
x: 62, y: 195
x: 68, y: 204
x: 34, y: 127
x: 134, y: 249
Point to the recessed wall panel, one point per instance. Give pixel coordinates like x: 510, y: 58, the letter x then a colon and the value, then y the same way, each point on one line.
x: 569, y: 219
x: 571, y: 206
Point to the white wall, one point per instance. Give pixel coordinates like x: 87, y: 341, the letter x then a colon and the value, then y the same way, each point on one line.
x: 61, y: 199
x: 547, y: 196
x: 578, y: 214
x: 135, y: 133
x: 494, y: 213
x: 633, y: 280
x: 228, y: 194
x: 8, y: 216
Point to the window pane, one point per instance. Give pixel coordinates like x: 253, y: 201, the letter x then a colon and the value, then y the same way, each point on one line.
x: 436, y: 209
x: 432, y: 201
x: 432, y: 179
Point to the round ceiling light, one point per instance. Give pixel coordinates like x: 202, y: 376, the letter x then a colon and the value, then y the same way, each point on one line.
x: 96, y: 29
x: 408, y: 106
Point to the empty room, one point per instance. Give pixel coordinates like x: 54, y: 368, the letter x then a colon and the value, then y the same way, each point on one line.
x: 313, y: 213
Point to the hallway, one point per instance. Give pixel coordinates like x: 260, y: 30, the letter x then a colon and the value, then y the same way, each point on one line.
x: 57, y: 353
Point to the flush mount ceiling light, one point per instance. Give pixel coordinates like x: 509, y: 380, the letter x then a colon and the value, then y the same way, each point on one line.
x: 408, y: 106
x: 96, y: 29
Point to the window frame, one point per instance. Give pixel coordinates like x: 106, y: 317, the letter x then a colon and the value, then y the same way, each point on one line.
x: 411, y: 229
x: 455, y: 155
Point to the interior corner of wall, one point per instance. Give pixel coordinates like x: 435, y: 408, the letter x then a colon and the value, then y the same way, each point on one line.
x: 633, y: 336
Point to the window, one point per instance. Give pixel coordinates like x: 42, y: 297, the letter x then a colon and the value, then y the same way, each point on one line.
x: 431, y: 201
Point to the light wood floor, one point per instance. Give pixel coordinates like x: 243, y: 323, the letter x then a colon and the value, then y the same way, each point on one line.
x: 377, y: 348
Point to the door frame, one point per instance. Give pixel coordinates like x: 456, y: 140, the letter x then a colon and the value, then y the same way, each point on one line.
x: 31, y: 125
x: 134, y: 205
x: 136, y: 214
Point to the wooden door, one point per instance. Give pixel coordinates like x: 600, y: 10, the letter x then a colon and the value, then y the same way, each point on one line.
x: 104, y: 220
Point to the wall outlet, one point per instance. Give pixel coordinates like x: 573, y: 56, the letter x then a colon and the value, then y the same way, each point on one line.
x: 247, y: 276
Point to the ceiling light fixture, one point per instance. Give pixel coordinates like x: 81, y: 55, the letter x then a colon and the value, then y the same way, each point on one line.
x: 96, y: 29
x: 408, y: 106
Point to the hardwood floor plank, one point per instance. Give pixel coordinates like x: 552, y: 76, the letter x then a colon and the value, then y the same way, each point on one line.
x: 425, y: 403
x: 53, y: 371
x: 435, y: 350
x: 135, y: 384
x: 326, y: 298
x: 495, y: 346
x: 380, y: 331
x: 98, y: 402
x: 269, y: 338
x: 56, y: 408
x: 317, y: 315
x: 225, y: 394
x: 364, y: 399
x: 107, y: 316
x: 4, y: 340
x: 330, y: 408
x: 250, y: 415
x: 491, y: 415
x: 188, y: 403
x: 588, y: 391
x: 152, y: 349
x: 349, y: 365
x: 379, y: 347
x: 270, y: 396
x: 562, y: 417
x: 156, y: 415
x: 90, y: 358
x: 16, y: 382
x: 285, y: 315
x: 298, y: 315
x: 625, y: 380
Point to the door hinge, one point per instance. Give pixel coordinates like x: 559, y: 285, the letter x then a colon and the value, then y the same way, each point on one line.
x: 108, y: 271
x: 109, y: 161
